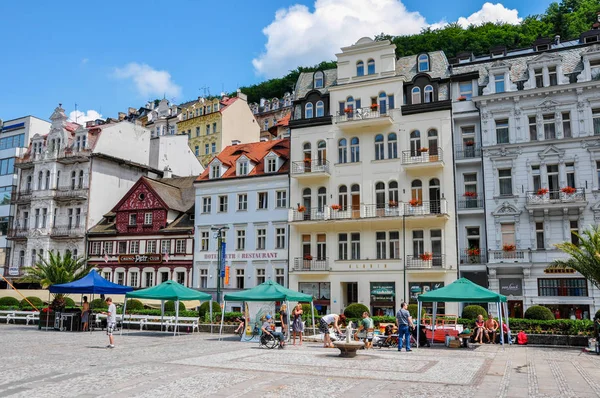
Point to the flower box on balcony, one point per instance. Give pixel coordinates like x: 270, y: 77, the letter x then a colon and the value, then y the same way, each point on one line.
x: 336, y: 207
x: 393, y: 203
x: 308, y: 257
x: 301, y: 209
x: 474, y: 252
x: 568, y: 190
x: 424, y: 150
x: 542, y: 191
x: 348, y: 110
x: 509, y: 248
x: 470, y: 194
x: 469, y: 143
x: 426, y: 256
x: 413, y: 202
x: 373, y: 107
x: 462, y: 98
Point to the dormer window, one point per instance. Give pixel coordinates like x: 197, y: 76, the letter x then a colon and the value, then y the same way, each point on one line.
x: 542, y: 47
x: 215, y: 171
x: 415, y: 95
x: 308, y: 111
x: 243, y: 168
x: 428, y: 94
x: 320, y: 109
x: 423, y: 63
x: 371, y: 67
x: 318, y: 80
x: 271, y: 164
x: 360, y: 68
x: 499, y: 83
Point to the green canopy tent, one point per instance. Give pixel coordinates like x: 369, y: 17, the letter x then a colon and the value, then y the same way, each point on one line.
x: 462, y: 290
x: 169, y: 290
x: 270, y: 291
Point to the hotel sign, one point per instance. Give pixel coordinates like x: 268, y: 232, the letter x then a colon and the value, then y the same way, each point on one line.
x: 244, y: 256
x: 140, y: 258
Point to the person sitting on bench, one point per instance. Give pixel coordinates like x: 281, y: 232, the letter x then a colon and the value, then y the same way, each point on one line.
x: 491, y: 327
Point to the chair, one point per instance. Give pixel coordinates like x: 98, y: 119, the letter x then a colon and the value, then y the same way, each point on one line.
x: 268, y: 341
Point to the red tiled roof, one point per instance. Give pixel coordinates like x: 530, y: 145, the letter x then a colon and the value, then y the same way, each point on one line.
x: 255, y: 152
x: 284, y: 121
x: 227, y: 102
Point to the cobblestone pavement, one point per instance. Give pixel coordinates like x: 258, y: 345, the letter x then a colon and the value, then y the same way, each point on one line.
x: 147, y: 364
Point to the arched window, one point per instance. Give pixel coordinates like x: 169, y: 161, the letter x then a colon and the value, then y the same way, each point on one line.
x: 80, y: 178
x: 380, y: 195
x: 342, y: 151
x: 370, y: 67
x: 321, y: 199
x: 40, y: 178
x: 321, y: 152
x: 392, y: 146
x: 58, y: 179
x: 73, y: 179
x: 432, y: 137
x: 307, y: 157
x: 354, y: 150
x: 379, y: 147
x: 382, y: 103
x: 428, y: 94
x: 415, y: 95
x: 434, y: 196
x: 47, y: 182
x: 306, y: 202
x: 355, y: 200
x: 415, y: 143
x: 320, y: 109
x: 318, y: 80
x: 343, y: 197
x: 416, y: 191
x: 360, y: 68
x: 308, y: 110
x: 28, y: 183
x: 350, y: 102
x: 423, y: 63
x: 393, y: 192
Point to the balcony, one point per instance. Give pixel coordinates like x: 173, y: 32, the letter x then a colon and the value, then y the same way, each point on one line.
x: 363, y: 117
x: 384, y: 211
x: 556, y: 199
x: 308, y: 263
x: 18, y: 233
x: 473, y: 256
x: 71, y: 193
x: 463, y: 154
x: 420, y: 262
x: 422, y: 159
x: 65, y: 156
x: 75, y: 155
x: 468, y: 203
x: 514, y: 256
x: 66, y: 232
x: 309, y: 214
x: 20, y: 197
x: 426, y: 208
x: 309, y: 169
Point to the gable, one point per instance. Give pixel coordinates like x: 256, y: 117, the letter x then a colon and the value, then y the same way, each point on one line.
x: 548, y: 104
x: 550, y: 152
x: 506, y: 209
x: 140, y: 196
x: 546, y: 57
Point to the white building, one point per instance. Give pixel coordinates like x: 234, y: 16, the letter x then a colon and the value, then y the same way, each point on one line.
x: 245, y: 190
x: 14, y: 140
x: 373, y: 220
x: 72, y: 176
x: 540, y: 122
x: 162, y: 119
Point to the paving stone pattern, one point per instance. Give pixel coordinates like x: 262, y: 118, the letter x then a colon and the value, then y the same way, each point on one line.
x: 150, y: 364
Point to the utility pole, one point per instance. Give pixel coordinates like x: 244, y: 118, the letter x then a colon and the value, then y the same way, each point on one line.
x: 221, y: 248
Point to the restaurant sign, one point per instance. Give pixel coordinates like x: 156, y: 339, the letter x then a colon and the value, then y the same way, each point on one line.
x: 140, y: 258
x: 511, y: 286
x: 239, y: 255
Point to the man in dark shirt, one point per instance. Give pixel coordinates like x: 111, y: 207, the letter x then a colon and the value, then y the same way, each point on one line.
x: 404, y: 322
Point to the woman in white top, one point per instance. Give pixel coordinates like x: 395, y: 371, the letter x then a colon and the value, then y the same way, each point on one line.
x: 324, y: 323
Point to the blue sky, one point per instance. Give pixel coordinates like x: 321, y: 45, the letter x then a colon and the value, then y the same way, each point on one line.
x: 106, y: 56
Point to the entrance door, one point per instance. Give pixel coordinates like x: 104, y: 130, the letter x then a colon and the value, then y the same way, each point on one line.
x: 351, y: 293
x: 553, y: 186
x: 434, y: 196
x: 355, y: 193
x: 515, y: 308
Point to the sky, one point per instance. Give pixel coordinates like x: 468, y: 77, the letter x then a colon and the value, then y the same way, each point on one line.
x: 110, y: 55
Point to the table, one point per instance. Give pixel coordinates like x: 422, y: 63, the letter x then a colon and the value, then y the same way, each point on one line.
x: 63, y: 318
x: 465, y: 339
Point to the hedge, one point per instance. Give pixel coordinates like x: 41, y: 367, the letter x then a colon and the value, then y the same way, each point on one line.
x: 472, y: 311
x: 204, y: 308
x: 134, y: 304
x: 413, y: 308
x: 69, y: 302
x: 98, y: 304
x: 229, y: 316
x: 170, y: 306
x: 36, y: 301
x: 534, y: 326
x: 539, y: 312
x: 9, y: 301
x: 355, y: 310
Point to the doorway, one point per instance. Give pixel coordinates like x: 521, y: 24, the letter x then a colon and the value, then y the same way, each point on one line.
x: 515, y: 308
x: 434, y: 196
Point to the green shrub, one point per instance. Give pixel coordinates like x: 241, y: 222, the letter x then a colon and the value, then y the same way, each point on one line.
x: 413, y: 309
x: 170, y: 306
x: 8, y: 307
x: 558, y: 326
x: 9, y: 301
x: 133, y: 304
x: 98, y: 304
x: 384, y: 319
x: 355, y: 310
x: 69, y: 302
x: 539, y: 312
x: 306, y: 314
x: 597, y: 315
x: 473, y: 311
x: 36, y: 301
x: 203, y: 310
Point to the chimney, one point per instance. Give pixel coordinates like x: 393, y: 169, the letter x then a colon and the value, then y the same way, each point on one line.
x: 167, y: 172
x: 557, y: 39
x: 235, y: 142
x: 241, y: 95
x: 122, y: 116
x: 131, y: 111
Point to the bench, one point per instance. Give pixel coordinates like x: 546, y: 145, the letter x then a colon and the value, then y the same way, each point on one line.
x: 27, y: 316
x: 184, y: 321
x: 98, y: 318
x: 157, y: 321
x: 135, y: 320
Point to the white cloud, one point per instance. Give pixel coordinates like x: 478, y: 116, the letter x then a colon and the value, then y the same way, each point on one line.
x: 84, y: 61
x: 82, y: 117
x: 149, y: 81
x: 491, y: 13
x: 300, y: 36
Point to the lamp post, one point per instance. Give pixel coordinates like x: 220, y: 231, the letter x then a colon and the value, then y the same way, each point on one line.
x: 221, y: 256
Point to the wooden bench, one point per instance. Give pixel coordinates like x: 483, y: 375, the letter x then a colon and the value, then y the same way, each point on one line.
x: 183, y: 322
x: 27, y: 316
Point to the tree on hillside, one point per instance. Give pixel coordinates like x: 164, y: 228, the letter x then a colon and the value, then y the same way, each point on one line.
x: 584, y: 257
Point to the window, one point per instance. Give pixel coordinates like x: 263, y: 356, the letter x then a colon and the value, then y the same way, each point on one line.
x: 355, y: 246
x: 596, y: 120
x: 261, y: 239
x: 499, y: 83
x: 281, y: 199
x: 532, y: 128
x: 392, y: 146
x: 197, y: 150
x: 505, y: 180
x: 507, y: 232
x: 165, y: 246
x: 15, y: 141
x: 549, y: 127
x: 423, y: 63
x: 147, y: 218
x: 379, y: 147
x: 37, y: 218
x: 198, y: 131
x: 343, y: 246
x: 320, y: 109
x: 271, y: 165
x: 380, y: 244
x: 206, y: 204
x: 240, y: 243
x: 40, y: 177
x: 343, y: 195
x: 360, y: 68
x: 47, y: 181
x: 223, y: 204
x: 73, y: 179
x: 415, y: 95
x: 539, y: 235
x: 7, y: 166
x: 134, y: 247
x: 418, y: 243
x: 502, y: 131
x: 465, y: 89
x: 120, y: 278
x: 96, y: 248
x: 243, y: 168
x: 122, y: 247
x: 566, y: 124
x: 207, y: 129
x: 574, y: 228
x: 280, y: 238
x: 428, y: 94
x: 354, y: 150
x: 214, y: 128
x: 180, y: 278
x: 203, y: 278
x: 150, y: 246
x: 318, y: 80
x: 149, y: 278
x: 371, y: 67
x: 44, y: 217
x: 570, y: 170
x: 28, y: 184
x: 342, y: 153
x: 242, y: 202
x: 239, y: 276
x: 537, y: 178
x: 260, y: 276
x: 207, y: 151
x: 133, y: 219
x: 553, y: 77
x: 308, y: 110
x: 280, y: 276
x: 394, y: 244
x: 108, y: 247
x: 266, y: 124
x: 70, y: 217
x: 213, y: 147
x: 321, y: 246
x: 22, y: 258
x: 539, y: 77
x: 562, y: 287
x: 180, y: 246
x: 263, y: 200
x: 134, y: 279
x: 215, y: 171
x: 470, y: 180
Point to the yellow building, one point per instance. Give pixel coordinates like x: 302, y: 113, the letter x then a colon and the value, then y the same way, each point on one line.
x: 214, y: 123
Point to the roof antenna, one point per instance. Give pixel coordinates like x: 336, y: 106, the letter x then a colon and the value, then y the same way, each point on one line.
x: 76, y: 115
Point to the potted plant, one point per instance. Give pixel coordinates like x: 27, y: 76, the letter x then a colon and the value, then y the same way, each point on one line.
x: 426, y: 256
x: 568, y: 190
x: 542, y: 191
x: 373, y: 107
x: 508, y: 248
x: 301, y: 209
x: 348, y: 110
x: 336, y: 207
x: 307, y: 257
x: 470, y: 194
x: 393, y: 203
x: 424, y: 149
x: 473, y: 251
x: 469, y: 143
x: 413, y: 202
x: 462, y: 98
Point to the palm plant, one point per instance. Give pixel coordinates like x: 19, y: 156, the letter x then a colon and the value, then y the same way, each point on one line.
x: 584, y: 257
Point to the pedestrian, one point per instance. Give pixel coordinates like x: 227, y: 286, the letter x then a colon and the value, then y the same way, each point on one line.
x: 283, y: 316
x: 85, y: 313
x: 297, y: 324
x: 111, y: 322
x: 404, y: 322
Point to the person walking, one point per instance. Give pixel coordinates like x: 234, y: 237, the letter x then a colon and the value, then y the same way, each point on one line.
x: 404, y: 322
x: 297, y: 324
x: 85, y: 313
x: 111, y: 322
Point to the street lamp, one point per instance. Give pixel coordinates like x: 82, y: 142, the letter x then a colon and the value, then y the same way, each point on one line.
x: 221, y: 247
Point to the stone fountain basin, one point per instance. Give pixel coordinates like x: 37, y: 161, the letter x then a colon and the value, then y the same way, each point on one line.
x: 348, y: 349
